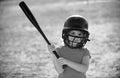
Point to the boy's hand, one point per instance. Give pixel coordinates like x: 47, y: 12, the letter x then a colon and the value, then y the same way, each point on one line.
x: 63, y: 61
x: 51, y: 48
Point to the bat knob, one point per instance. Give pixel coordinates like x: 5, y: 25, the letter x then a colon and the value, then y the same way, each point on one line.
x: 64, y: 66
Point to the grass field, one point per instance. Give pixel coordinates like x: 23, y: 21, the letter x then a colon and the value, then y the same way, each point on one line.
x: 23, y: 51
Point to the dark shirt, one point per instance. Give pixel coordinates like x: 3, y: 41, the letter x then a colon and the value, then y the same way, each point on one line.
x: 75, y: 55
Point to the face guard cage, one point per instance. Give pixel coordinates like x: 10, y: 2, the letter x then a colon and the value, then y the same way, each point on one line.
x: 70, y: 43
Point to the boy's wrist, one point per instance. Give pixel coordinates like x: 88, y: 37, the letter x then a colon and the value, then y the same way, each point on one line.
x: 67, y: 62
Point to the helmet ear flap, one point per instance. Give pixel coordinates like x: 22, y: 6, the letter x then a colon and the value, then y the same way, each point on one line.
x: 64, y: 33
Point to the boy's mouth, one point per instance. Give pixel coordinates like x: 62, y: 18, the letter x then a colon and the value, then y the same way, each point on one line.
x: 76, y: 40
x: 73, y: 44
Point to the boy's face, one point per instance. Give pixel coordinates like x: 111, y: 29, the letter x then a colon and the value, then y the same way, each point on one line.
x: 75, y: 37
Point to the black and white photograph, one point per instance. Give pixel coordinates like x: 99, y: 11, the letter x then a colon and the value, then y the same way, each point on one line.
x: 59, y: 38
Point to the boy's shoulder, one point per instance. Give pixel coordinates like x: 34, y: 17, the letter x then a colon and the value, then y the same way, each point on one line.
x: 86, y: 49
x: 59, y: 47
x: 86, y: 52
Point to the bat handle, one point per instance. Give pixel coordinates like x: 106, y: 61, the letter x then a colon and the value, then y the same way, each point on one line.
x: 64, y: 66
x: 56, y: 54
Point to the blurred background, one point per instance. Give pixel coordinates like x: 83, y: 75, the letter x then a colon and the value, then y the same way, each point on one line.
x: 23, y: 51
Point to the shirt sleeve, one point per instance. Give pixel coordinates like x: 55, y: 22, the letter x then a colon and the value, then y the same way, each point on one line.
x: 87, y: 53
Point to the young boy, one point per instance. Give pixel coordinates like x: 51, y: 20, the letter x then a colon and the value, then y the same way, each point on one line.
x: 73, y: 55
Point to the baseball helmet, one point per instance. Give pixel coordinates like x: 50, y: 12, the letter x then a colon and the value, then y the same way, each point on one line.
x: 75, y: 22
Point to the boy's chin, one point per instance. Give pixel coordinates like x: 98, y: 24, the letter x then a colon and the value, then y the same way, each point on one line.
x: 73, y: 44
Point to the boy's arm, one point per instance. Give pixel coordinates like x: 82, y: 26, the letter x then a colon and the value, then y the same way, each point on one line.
x: 77, y: 66
x: 58, y: 66
x: 80, y: 67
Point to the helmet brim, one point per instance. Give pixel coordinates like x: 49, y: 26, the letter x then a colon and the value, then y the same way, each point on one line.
x: 79, y: 29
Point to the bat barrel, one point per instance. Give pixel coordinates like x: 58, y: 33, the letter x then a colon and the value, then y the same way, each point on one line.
x: 30, y: 16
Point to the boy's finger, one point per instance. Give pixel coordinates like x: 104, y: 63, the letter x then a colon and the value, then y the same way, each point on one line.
x: 51, y: 46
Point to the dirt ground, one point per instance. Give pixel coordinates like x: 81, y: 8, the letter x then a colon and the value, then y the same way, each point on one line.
x: 23, y: 51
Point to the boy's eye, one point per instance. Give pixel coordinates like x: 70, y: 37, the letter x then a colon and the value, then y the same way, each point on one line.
x: 76, y: 33
x: 80, y: 34
x: 72, y: 33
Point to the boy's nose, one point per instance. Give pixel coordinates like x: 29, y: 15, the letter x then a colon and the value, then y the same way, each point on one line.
x: 77, y: 39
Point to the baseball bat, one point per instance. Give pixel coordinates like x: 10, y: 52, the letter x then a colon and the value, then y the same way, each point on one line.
x: 30, y: 16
